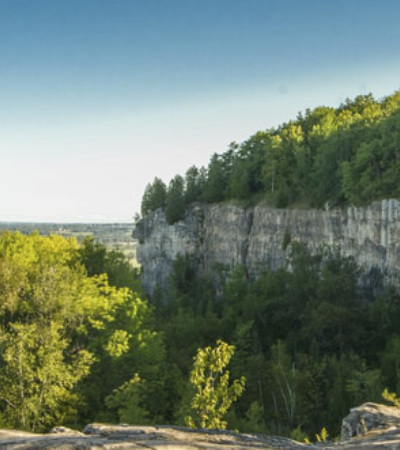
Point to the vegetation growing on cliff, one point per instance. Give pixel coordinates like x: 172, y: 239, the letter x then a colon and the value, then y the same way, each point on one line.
x: 326, y: 156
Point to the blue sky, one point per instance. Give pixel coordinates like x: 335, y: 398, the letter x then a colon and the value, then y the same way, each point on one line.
x: 98, y: 97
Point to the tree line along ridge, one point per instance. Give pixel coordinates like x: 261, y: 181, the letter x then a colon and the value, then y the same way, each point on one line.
x: 325, y: 157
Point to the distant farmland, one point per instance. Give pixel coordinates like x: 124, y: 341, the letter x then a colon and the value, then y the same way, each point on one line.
x: 115, y: 236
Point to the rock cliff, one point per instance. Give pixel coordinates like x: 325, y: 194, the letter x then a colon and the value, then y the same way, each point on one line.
x: 257, y: 238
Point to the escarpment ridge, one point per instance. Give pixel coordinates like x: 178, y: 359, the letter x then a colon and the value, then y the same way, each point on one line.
x: 259, y: 238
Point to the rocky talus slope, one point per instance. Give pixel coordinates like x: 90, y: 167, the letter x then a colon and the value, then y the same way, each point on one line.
x: 370, y: 426
x: 260, y: 237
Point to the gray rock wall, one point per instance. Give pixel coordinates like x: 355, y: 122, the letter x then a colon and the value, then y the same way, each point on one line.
x: 255, y: 237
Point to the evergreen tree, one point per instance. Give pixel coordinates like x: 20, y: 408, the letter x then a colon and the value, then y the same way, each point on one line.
x: 194, y: 182
x: 175, y: 202
x: 154, y: 196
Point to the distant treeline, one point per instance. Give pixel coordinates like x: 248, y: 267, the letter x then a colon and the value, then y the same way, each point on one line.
x: 326, y: 157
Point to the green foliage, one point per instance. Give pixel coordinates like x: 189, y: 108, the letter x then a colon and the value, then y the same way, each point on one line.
x: 297, y: 434
x: 41, y: 304
x: 37, y: 382
x: 214, y: 394
x: 175, y: 203
x: 194, y: 183
x: 98, y: 260
x: 129, y: 402
x: 127, y: 342
x: 218, y: 174
x: 68, y: 339
x: 326, y: 157
x: 284, y: 385
x: 322, y: 436
x: 364, y: 383
x: 373, y: 172
x: 310, y: 342
x: 391, y: 397
x: 154, y: 196
x: 254, y: 419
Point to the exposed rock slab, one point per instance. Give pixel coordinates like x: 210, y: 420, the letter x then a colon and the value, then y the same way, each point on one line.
x: 255, y: 237
x: 121, y: 437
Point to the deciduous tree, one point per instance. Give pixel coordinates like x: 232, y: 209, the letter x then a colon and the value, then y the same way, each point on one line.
x: 214, y: 393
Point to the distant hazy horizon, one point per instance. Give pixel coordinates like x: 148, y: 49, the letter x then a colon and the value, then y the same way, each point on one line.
x: 99, y: 97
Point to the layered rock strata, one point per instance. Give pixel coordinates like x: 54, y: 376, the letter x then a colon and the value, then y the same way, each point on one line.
x: 259, y: 238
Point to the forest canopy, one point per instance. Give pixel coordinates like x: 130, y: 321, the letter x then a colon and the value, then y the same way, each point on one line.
x: 311, y: 342
x: 79, y: 343
x: 71, y: 332
x: 325, y: 157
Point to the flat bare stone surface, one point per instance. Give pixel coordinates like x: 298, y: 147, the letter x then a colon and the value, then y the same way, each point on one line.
x: 120, y: 437
x: 134, y: 437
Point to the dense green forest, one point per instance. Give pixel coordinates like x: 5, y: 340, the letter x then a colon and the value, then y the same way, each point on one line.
x: 326, y: 157
x: 73, y: 330
x: 79, y: 342
x: 311, y: 342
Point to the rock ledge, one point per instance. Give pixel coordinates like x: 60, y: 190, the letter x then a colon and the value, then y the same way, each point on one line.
x: 369, y: 426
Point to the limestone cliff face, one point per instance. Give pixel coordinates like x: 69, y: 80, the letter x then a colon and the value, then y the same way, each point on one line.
x: 255, y: 237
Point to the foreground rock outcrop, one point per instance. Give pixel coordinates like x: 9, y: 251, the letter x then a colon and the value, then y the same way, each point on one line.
x: 107, y: 437
x: 370, y: 417
x: 259, y: 238
x: 370, y: 426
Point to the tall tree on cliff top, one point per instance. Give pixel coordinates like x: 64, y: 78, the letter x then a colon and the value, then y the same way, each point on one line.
x: 219, y: 172
x: 194, y: 180
x: 154, y: 196
x: 175, y: 202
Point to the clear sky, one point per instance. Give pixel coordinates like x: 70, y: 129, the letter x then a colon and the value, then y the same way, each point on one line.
x: 97, y: 97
